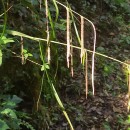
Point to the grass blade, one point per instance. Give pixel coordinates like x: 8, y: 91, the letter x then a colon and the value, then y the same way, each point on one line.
x: 57, y: 10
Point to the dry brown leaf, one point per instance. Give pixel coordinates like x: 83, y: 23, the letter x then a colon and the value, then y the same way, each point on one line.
x: 78, y: 128
x: 112, y: 34
x: 93, y: 128
x: 115, y: 109
x: 100, y: 100
x: 92, y: 109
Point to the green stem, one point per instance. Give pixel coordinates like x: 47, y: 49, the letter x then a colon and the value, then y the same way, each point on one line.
x: 55, y: 92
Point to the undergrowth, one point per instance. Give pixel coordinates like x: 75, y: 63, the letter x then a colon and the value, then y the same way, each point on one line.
x: 35, y: 38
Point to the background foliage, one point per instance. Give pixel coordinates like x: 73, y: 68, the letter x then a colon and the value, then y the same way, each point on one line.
x: 35, y: 82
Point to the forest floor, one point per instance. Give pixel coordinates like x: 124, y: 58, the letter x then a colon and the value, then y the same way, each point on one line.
x: 106, y: 110
x: 103, y: 111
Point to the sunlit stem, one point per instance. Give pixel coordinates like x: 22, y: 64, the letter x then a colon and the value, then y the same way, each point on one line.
x: 86, y: 74
x: 22, y: 53
x: 68, y: 36
x: 128, y: 71
x: 82, y: 38
x: 47, y: 31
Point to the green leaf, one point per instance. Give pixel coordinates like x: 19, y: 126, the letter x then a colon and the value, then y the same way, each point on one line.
x: 16, y: 99
x: 9, y: 104
x: 128, y: 120
x: 5, y: 40
x: 60, y: 26
x: 33, y: 2
x: 106, y: 126
x: 9, y: 113
x: 45, y: 66
x: 24, y: 51
x: 1, y: 57
x: 29, y: 54
x: 100, y: 49
x: 26, y: 54
x: 3, y: 125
